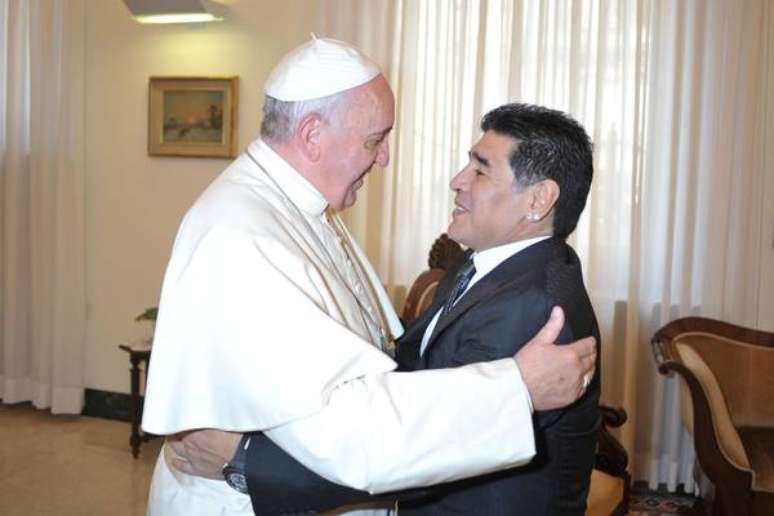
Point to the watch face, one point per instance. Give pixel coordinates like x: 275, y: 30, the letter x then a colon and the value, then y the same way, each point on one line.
x: 237, y: 481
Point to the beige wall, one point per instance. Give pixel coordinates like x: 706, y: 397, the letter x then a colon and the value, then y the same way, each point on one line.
x: 135, y: 202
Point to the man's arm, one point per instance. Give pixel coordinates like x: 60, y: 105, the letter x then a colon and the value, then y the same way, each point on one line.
x: 555, y: 378
x: 279, y: 484
x: 399, y: 430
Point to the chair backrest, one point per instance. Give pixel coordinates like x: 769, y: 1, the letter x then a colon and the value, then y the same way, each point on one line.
x: 420, y: 295
x: 725, y: 432
x: 744, y: 374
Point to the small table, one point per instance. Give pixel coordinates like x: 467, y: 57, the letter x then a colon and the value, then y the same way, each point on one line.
x: 138, y: 354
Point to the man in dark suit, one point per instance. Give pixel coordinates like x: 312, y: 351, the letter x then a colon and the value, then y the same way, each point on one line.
x: 506, y: 304
x: 517, y: 199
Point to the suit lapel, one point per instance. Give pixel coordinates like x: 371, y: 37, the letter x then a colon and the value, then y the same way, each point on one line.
x: 417, y: 328
x: 411, y: 340
x: 505, y: 276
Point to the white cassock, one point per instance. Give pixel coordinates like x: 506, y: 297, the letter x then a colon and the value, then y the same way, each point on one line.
x: 270, y: 319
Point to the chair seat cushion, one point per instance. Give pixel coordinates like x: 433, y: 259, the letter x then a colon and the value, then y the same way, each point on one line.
x: 759, y: 445
x: 605, y: 493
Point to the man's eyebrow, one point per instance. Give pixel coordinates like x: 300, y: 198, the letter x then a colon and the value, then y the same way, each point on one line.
x: 478, y: 157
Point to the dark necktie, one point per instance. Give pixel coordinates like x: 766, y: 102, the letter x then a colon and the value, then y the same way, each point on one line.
x: 463, y: 278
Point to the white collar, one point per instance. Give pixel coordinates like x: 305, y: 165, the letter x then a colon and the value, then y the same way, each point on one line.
x: 296, y: 187
x: 488, y: 259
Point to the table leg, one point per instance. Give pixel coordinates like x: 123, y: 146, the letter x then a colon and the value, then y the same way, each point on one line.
x: 134, y: 439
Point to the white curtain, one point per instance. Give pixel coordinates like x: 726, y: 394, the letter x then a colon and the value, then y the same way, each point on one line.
x: 670, y: 92
x: 42, y: 203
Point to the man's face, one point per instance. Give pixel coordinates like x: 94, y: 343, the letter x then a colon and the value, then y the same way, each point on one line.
x: 358, y: 141
x: 489, y: 211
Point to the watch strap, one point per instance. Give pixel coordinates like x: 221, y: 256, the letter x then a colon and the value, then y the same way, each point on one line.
x: 234, y: 470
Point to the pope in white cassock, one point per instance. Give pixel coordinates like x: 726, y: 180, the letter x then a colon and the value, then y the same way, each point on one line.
x: 271, y: 317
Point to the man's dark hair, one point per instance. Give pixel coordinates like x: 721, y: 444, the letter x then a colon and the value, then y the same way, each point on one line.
x: 548, y: 145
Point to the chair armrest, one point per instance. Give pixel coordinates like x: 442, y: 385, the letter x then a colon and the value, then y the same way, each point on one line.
x: 613, y: 416
x: 611, y: 457
x: 663, y: 354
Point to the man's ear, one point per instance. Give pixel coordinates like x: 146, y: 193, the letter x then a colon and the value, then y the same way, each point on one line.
x: 544, y: 196
x: 308, y: 136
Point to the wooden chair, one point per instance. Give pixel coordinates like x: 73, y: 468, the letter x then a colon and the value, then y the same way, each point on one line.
x: 609, y: 490
x: 728, y: 406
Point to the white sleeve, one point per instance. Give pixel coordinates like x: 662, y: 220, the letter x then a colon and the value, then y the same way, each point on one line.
x: 394, y: 431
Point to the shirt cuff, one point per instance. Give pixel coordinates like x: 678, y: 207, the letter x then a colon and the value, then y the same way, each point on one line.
x: 521, y: 381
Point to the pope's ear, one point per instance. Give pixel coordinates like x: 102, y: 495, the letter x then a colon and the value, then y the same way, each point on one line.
x: 308, y: 136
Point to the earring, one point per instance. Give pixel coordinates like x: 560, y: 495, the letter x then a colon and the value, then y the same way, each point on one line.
x: 533, y: 217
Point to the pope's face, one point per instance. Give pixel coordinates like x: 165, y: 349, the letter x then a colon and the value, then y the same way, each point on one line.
x: 359, y: 141
x: 489, y: 209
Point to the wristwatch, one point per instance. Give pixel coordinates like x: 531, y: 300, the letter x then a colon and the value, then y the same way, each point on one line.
x: 234, y: 470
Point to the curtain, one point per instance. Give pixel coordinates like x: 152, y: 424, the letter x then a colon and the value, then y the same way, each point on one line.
x: 42, y: 203
x: 671, y: 94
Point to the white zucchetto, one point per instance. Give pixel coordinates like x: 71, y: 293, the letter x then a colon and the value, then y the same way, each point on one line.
x: 319, y: 68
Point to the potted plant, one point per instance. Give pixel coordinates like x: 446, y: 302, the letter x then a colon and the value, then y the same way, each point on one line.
x: 149, y: 314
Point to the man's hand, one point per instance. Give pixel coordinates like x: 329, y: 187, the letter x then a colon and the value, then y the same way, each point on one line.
x: 556, y: 375
x: 203, y: 452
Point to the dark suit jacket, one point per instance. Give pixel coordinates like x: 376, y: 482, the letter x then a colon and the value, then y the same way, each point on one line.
x: 494, y: 319
x: 497, y: 316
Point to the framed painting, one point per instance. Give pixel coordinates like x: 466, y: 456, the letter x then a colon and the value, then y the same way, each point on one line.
x: 193, y: 116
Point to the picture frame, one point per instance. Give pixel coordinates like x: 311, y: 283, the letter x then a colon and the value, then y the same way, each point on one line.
x: 193, y: 116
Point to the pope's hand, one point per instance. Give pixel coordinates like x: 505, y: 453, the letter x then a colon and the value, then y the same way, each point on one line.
x: 556, y: 375
x: 203, y: 452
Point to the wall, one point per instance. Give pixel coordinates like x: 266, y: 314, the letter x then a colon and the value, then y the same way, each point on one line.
x: 134, y: 201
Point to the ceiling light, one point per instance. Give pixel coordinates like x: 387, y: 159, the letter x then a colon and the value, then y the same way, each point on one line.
x: 175, y: 11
